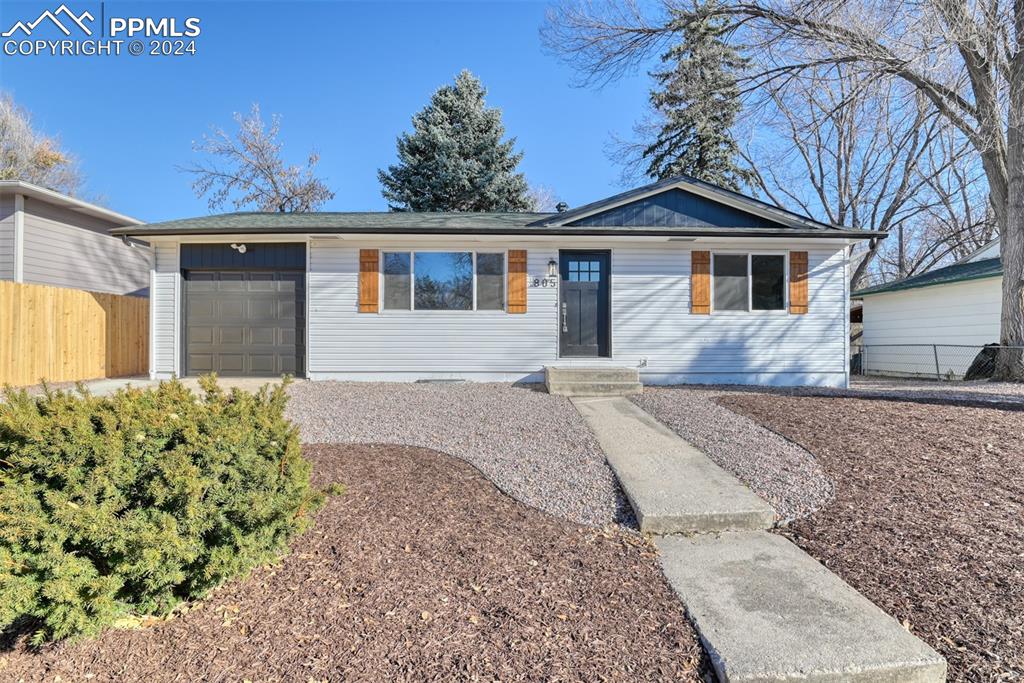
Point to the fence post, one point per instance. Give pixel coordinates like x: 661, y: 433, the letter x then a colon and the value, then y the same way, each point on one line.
x: 935, y: 351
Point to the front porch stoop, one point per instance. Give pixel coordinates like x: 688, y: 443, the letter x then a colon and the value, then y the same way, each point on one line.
x: 764, y: 609
x: 592, y: 381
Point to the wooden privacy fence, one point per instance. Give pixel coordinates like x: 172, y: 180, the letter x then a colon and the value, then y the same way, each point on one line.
x: 65, y: 335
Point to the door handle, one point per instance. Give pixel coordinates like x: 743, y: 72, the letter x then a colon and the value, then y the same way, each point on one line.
x: 565, y: 318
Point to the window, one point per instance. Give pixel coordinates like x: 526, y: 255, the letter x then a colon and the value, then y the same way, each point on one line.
x: 584, y: 271
x: 490, y: 282
x: 397, y: 285
x: 749, y: 282
x: 730, y: 282
x: 767, y: 282
x: 444, y: 281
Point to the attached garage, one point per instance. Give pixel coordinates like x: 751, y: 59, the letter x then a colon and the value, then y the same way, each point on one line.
x: 244, y: 309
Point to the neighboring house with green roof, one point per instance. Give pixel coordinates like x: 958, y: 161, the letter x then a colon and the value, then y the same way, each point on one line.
x: 940, y: 317
x: 680, y: 281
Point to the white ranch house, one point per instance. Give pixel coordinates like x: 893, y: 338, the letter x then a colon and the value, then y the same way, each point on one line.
x: 684, y: 280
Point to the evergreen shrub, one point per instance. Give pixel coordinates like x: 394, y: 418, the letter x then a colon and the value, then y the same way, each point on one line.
x: 128, y: 504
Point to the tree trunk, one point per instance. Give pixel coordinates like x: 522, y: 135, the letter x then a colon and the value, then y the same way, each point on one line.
x: 1010, y: 364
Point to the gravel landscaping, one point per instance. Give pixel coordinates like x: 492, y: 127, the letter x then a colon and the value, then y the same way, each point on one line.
x: 421, y: 571
x: 532, y: 445
x: 926, y: 520
x: 979, y: 392
x: 781, y: 472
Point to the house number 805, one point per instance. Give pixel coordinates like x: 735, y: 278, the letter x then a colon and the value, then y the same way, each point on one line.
x: 544, y: 282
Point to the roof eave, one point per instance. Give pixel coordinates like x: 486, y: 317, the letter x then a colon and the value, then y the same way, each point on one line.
x: 923, y: 285
x: 59, y: 199
x: 141, y: 231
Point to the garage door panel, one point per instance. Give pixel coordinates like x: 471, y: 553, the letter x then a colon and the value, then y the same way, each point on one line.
x: 288, y: 365
x: 231, y: 309
x: 200, y: 335
x: 244, y: 322
x: 230, y: 363
x: 264, y: 363
x: 204, y: 282
x: 202, y: 308
x: 262, y: 309
x: 231, y: 335
x: 200, y: 362
x: 286, y: 309
x: 232, y: 282
x: 262, y: 282
x: 265, y: 336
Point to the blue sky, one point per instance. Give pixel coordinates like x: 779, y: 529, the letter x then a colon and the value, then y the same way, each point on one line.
x: 346, y: 77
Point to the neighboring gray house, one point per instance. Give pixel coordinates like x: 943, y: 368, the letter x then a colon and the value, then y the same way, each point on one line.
x: 682, y: 280
x: 48, y: 238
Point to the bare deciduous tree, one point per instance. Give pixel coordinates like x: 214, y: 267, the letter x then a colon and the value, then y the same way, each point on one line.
x: 965, y: 56
x: 542, y: 198
x: 247, y: 170
x: 867, y: 155
x: 26, y: 154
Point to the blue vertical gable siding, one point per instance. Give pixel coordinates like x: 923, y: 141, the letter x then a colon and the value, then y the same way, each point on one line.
x: 675, y: 208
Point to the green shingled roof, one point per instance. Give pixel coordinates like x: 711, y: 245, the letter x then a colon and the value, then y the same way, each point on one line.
x: 958, y: 272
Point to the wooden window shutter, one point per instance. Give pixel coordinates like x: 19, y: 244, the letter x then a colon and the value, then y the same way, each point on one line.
x: 369, y: 284
x: 517, y: 281
x: 798, y: 282
x: 700, y: 282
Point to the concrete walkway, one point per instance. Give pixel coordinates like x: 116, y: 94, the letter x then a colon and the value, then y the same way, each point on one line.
x: 672, y: 486
x: 765, y: 610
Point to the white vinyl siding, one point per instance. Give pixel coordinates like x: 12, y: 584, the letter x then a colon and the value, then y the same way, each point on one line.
x: 65, y: 248
x: 403, y: 345
x: 7, y: 237
x: 961, y: 313
x: 163, y: 310
x: 651, y: 323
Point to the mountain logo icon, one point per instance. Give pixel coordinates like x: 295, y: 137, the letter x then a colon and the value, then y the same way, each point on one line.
x: 69, y: 16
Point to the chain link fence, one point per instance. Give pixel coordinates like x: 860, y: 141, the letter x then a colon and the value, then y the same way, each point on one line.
x: 932, y: 361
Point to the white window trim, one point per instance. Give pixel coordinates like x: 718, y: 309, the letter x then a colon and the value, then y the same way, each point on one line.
x: 750, y: 283
x: 433, y: 311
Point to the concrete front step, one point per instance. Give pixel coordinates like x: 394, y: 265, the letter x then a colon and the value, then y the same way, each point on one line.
x: 562, y: 388
x: 672, y: 486
x: 767, y: 611
x: 591, y: 374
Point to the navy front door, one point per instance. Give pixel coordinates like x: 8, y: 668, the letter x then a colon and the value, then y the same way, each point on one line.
x: 583, y: 309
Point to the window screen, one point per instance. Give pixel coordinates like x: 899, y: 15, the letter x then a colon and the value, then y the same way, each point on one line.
x: 730, y: 282
x: 490, y: 282
x: 768, y: 274
x: 397, y: 281
x: 444, y: 281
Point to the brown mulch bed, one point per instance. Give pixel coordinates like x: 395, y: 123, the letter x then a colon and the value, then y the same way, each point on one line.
x: 421, y: 571
x: 928, y: 519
